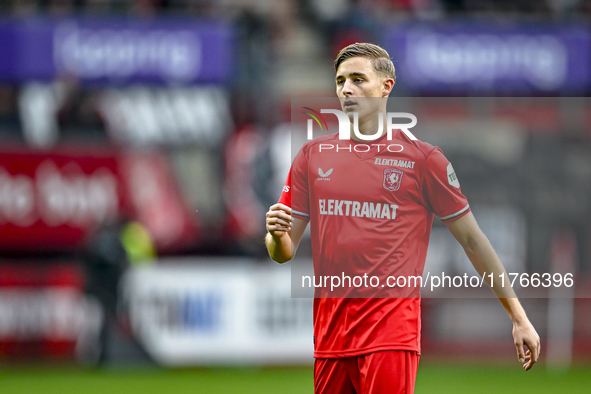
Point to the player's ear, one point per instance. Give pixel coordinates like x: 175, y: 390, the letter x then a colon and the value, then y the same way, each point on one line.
x: 387, y: 86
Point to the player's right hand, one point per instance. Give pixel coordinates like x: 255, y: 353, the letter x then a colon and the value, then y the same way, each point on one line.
x: 279, y: 220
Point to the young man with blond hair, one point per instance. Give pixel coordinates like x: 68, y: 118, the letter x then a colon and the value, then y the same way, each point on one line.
x: 368, y: 344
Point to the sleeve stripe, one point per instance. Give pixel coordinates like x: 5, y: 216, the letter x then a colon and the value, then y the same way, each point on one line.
x: 453, y: 215
x: 297, y: 213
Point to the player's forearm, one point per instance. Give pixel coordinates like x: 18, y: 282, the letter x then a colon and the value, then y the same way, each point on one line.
x: 279, y: 247
x: 486, y: 261
x: 514, y: 310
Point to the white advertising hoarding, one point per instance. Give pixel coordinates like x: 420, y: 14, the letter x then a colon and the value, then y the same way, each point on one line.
x: 218, y: 311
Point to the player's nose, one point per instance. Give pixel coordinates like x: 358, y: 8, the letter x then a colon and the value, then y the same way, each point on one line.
x: 347, y: 88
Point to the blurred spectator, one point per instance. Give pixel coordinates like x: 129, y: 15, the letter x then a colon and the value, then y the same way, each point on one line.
x: 60, y: 111
x: 105, y: 261
x: 331, y: 17
x: 193, y: 7
x: 24, y: 7
x: 146, y: 7
x: 453, y: 5
x: 61, y: 7
x: 138, y: 244
x: 97, y: 6
x: 561, y: 6
x: 280, y: 17
x: 505, y: 6
x: 283, y: 26
x: 330, y: 10
x: 9, y: 120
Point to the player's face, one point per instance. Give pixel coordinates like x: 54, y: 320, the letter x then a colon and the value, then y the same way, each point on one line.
x: 356, y: 79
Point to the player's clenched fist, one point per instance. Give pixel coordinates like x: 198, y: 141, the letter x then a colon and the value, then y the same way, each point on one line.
x: 279, y: 219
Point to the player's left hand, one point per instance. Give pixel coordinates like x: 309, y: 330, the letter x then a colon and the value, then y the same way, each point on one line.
x: 524, y: 333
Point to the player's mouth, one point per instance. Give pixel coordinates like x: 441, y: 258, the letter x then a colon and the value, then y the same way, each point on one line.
x: 349, y: 104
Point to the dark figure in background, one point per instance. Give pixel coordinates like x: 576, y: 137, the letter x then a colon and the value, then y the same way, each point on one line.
x: 105, y: 261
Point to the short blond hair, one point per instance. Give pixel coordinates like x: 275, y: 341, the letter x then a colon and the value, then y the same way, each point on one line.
x: 379, y: 57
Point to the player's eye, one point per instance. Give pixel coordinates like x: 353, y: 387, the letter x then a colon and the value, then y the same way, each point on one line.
x: 340, y: 82
x: 357, y: 80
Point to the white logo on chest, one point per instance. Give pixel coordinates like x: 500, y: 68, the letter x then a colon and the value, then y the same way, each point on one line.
x: 324, y: 176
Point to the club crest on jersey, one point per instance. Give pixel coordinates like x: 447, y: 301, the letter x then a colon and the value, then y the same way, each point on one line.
x: 392, y: 179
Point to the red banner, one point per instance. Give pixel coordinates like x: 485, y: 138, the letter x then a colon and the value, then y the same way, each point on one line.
x: 44, y: 311
x: 54, y: 201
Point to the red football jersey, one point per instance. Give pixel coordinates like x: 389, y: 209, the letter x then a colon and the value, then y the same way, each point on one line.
x: 371, y: 208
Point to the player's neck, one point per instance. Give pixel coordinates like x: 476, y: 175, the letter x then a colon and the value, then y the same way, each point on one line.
x: 369, y: 125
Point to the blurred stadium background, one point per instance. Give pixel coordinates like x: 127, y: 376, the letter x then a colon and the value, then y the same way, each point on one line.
x: 141, y: 142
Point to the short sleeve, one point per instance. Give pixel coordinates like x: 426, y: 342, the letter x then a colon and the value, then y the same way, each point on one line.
x: 441, y: 188
x: 285, y: 197
x: 295, y: 191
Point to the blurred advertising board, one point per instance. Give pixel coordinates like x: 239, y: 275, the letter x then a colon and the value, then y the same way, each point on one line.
x: 174, y: 116
x: 469, y: 57
x: 44, y: 313
x: 116, y: 50
x: 218, y: 311
x: 55, y: 201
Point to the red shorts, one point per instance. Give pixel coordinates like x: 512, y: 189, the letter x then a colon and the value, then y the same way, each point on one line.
x: 392, y: 371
